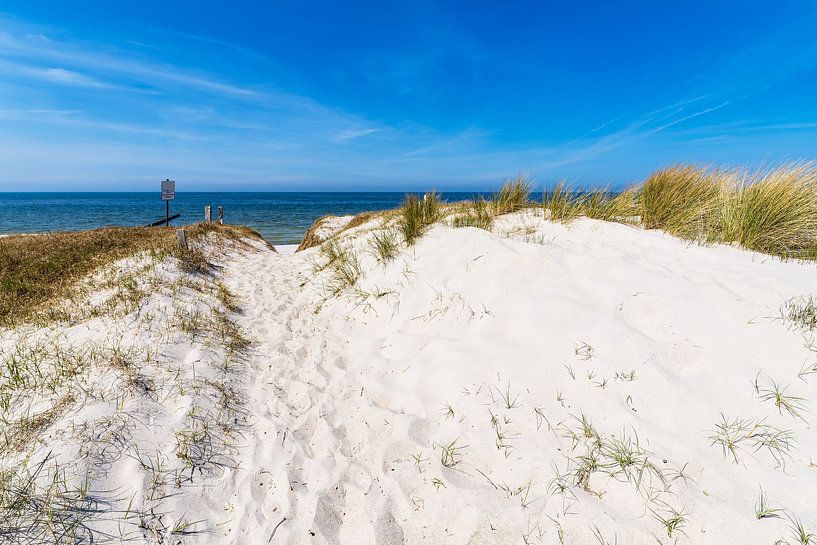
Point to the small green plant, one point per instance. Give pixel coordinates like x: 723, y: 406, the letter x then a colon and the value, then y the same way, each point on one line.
x: 384, y: 245
x: 584, y: 351
x: 509, y: 400
x: 801, y: 311
x: 625, y: 376
x: 673, y: 520
x: 763, y: 510
x: 450, y: 453
x: 793, y: 405
x: 799, y: 532
x: 733, y: 434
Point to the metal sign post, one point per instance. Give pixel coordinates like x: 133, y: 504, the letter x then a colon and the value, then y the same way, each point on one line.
x: 168, y: 194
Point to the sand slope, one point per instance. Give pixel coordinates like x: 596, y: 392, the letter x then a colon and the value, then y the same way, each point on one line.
x: 537, y: 384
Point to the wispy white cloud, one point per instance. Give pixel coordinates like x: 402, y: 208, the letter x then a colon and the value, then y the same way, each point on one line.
x: 67, y: 77
x: 351, y: 134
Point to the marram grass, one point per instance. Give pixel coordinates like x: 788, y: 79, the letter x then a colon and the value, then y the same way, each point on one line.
x: 512, y: 196
x: 683, y: 200
x: 418, y: 214
x: 773, y: 212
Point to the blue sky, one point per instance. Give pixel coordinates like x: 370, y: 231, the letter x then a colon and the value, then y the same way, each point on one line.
x: 299, y: 95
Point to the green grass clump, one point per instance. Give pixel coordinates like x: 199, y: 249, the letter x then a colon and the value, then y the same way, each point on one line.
x: 513, y: 195
x: 417, y: 214
x: 477, y: 214
x: 801, y: 311
x: 384, y: 246
x: 561, y: 204
x: 775, y: 212
x: 601, y: 204
x: 683, y: 200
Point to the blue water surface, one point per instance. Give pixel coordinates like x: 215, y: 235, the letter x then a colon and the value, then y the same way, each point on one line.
x: 281, y: 218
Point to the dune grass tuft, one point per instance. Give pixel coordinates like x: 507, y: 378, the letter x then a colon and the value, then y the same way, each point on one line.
x: 561, y: 204
x: 417, y: 214
x: 774, y: 212
x: 513, y: 195
x: 477, y: 214
x: 801, y: 311
x: 682, y: 200
x: 384, y: 246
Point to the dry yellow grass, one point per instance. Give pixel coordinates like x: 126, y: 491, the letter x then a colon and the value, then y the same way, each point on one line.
x: 774, y: 212
x: 36, y: 269
x: 683, y: 200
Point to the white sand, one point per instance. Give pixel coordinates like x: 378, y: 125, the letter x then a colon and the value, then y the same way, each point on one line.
x: 498, y: 342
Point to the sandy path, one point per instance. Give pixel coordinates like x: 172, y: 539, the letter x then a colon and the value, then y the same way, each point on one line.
x: 303, y: 474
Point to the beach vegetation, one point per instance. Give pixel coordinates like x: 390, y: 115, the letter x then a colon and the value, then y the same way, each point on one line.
x: 799, y: 532
x: 384, y: 245
x: 683, y: 200
x: 417, y: 214
x: 733, y: 435
x: 450, y: 453
x: 41, y: 269
x: 673, y: 520
x: 793, y: 405
x: 477, y: 214
x: 561, y: 204
x: 763, y: 509
x: 514, y: 195
x: 801, y: 311
x: 773, y: 212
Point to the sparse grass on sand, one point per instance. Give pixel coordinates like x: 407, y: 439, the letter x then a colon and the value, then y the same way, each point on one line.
x: 772, y: 211
x: 514, y: 195
x: 37, y: 269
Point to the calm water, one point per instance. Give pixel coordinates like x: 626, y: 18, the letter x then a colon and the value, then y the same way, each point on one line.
x: 281, y: 217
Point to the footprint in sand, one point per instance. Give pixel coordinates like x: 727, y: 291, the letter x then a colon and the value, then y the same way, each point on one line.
x: 330, y: 513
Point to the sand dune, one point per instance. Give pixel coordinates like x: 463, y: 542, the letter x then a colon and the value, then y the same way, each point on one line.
x: 540, y: 383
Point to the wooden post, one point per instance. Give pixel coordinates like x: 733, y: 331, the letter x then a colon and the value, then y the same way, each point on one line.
x: 167, y: 213
x: 207, y: 213
x: 221, y: 215
x: 181, y: 238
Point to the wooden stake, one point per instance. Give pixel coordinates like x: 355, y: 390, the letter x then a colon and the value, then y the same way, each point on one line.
x: 181, y: 238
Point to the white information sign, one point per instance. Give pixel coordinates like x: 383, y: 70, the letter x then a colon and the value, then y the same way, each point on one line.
x: 168, y: 190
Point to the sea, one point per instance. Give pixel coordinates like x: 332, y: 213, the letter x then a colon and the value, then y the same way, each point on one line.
x: 280, y: 217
